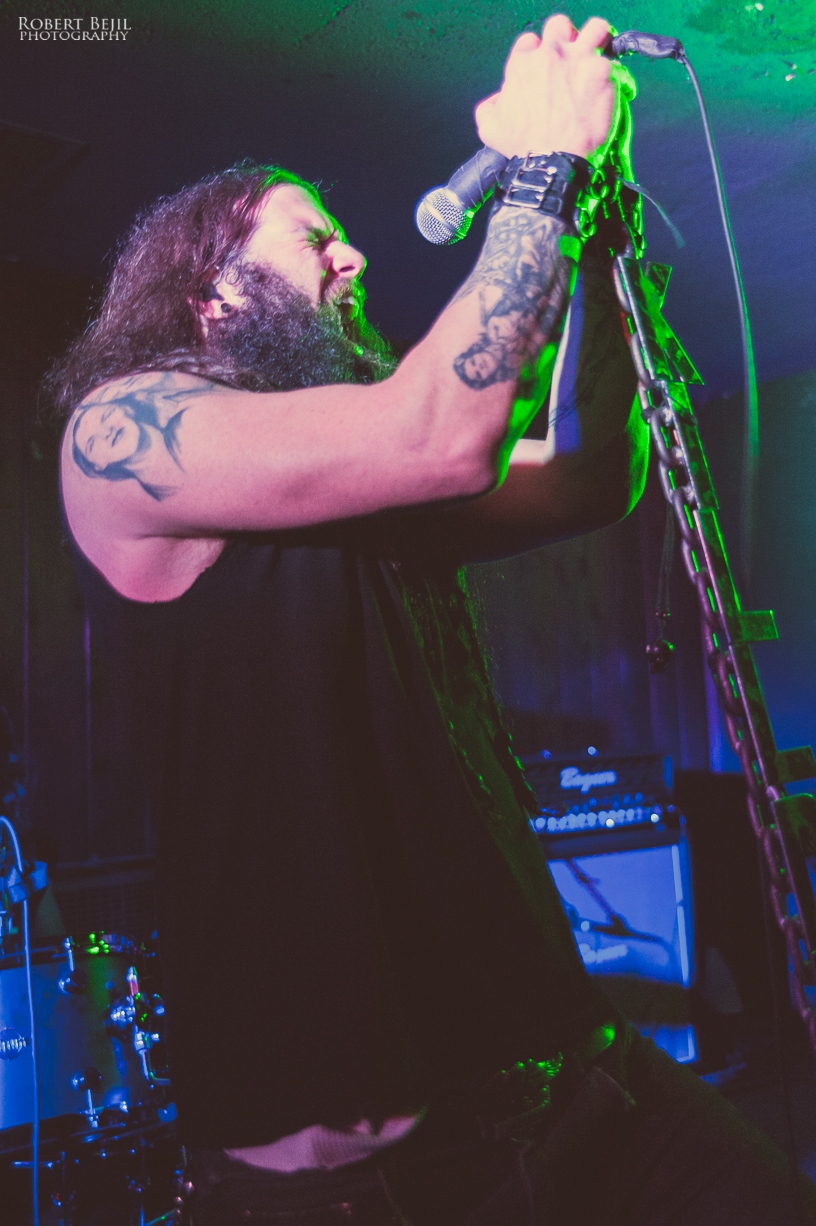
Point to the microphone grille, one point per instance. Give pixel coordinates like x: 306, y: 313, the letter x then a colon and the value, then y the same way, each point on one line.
x: 440, y: 217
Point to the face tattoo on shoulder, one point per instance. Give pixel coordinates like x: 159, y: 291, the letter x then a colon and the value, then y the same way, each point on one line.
x: 132, y: 432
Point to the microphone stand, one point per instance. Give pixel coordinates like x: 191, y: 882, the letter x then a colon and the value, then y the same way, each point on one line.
x: 784, y: 824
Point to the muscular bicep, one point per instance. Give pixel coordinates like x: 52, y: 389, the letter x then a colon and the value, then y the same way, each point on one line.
x: 169, y: 454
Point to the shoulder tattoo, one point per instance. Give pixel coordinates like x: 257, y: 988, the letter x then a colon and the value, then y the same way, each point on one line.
x: 131, y: 432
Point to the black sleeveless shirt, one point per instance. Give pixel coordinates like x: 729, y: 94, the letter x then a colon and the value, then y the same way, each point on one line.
x: 353, y: 909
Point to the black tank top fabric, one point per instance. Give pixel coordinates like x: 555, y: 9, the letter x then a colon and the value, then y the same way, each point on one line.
x: 353, y: 910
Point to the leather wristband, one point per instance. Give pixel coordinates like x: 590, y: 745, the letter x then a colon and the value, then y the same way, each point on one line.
x: 557, y: 184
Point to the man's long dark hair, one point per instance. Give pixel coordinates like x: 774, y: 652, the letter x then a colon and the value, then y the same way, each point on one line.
x: 149, y: 319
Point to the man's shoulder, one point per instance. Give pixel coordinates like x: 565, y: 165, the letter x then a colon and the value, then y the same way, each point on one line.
x: 143, y: 383
x: 120, y: 462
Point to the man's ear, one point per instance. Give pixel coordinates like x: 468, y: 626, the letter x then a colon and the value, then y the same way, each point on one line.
x: 218, y: 300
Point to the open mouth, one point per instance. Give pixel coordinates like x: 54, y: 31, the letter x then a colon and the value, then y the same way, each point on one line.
x: 349, y: 306
x: 349, y: 301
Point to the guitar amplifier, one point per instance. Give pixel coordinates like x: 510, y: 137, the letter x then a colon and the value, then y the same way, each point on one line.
x: 601, y: 796
x: 618, y: 855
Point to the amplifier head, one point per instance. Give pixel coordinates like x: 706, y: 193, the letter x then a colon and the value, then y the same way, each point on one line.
x: 595, y: 792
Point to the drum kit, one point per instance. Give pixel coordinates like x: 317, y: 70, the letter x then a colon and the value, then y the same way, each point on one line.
x: 106, y: 1148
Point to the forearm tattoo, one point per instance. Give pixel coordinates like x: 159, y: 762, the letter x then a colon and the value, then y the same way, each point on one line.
x: 523, y: 285
x: 131, y: 432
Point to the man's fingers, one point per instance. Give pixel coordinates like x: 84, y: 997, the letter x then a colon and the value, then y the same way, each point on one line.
x: 524, y: 45
x: 594, y: 35
x: 526, y: 42
x: 556, y: 93
x: 558, y: 29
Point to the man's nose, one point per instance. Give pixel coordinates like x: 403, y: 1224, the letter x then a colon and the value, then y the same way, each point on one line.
x: 345, y: 262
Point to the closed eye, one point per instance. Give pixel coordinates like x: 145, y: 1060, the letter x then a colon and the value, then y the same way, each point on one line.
x: 321, y: 236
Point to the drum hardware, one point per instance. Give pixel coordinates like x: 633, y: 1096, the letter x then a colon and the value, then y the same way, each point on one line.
x: 74, y: 984
x: 73, y: 1021
x: 122, y: 1173
x: 88, y: 1080
x: 46, y: 1164
x: 76, y: 981
x: 122, y: 1013
x: 16, y: 887
x: 20, y: 884
x: 12, y: 1043
x: 108, y: 1142
x: 92, y: 1014
x: 143, y: 1040
x: 108, y: 1134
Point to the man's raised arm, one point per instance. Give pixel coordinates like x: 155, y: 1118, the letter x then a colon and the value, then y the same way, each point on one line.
x: 162, y: 454
x: 591, y: 468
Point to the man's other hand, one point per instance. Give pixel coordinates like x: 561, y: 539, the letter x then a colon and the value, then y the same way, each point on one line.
x: 559, y: 94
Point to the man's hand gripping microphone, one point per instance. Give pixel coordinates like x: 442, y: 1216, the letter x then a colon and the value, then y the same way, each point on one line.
x: 444, y: 214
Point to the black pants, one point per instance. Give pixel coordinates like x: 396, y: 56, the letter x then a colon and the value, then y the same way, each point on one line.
x: 678, y: 1155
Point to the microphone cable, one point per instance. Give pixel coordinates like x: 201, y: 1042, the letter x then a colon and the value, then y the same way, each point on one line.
x: 750, y: 452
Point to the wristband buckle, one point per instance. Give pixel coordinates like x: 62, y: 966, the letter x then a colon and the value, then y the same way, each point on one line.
x: 558, y: 184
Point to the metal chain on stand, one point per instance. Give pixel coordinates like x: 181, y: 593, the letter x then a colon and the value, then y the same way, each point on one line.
x: 785, y: 825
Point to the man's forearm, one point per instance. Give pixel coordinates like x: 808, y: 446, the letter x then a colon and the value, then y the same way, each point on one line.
x: 523, y: 282
x: 498, y: 337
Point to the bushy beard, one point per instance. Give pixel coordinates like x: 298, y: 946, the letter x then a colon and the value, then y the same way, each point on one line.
x: 277, y: 340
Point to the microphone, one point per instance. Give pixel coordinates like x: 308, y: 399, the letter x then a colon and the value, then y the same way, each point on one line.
x: 444, y: 214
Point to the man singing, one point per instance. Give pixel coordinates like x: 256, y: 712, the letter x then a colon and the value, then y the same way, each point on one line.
x: 378, y: 1013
